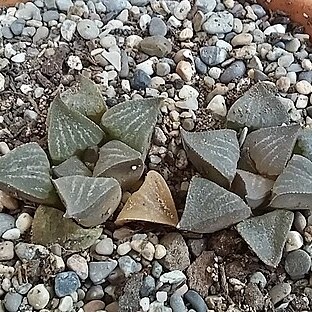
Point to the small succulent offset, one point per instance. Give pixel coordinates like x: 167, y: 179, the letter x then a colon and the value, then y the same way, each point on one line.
x: 269, y: 175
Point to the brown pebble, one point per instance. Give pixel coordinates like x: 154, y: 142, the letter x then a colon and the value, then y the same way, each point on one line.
x: 112, y: 307
x: 94, y: 306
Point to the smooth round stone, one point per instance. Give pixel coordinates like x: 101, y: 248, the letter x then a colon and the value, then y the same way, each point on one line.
x: 38, y: 297
x: 140, y: 80
x: 66, y: 304
x: 219, y: 23
x: 95, y: 305
x: 200, y: 66
x: 24, y: 222
x: 297, y: 263
x: 160, y: 251
x: 205, y: 6
x: 177, y: 304
x: 303, y: 87
x: 277, y: 28
x: 66, y: 283
x: 155, y: 46
x: 286, y: 60
x: 242, y: 39
x: 100, y: 270
x: 157, y: 27
x: 7, y: 222
x: 182, y: 9
x: 294, y: 241
x: 87, y: 29
x: 259, y: 279
x: 6, y: 251
x: 258, y: 10
x: 28, y: 11
x: 196, y: 301
x: 283, y: 84
x: 64, y: 5
x: 300, y: 222
x: 79, y: 265
x: 17, y: 26
x: 279, y: 292
x: 124, y: 248
x: 212, y: 55
x: 115, y: 6
x: 12, y: 301
x: 162, y: 69
x: 41, y: 33
x: 236, y: 70
x: 293, y: 45
x: 12, y: 234
x: 50, y: 15
x: 161, y: 296
x: 215, y: 72
x: 95, y: 292
x: 68, y: 29
x: 19, y: 58
x: 105, y: 247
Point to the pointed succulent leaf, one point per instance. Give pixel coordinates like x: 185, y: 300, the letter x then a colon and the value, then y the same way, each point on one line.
x: 266, y: 235
x: 214, y: 153
x: 210, y: 208
x: 50, y: 227
x: 85, y: 98
x: 304, y: 143
x: 91, y: 201
x: 151, y: 203
x: 270, y: 148
x: 293, y: 188
x: 69, y: 131
x: 25, y: 173
x: 258, y: 108
x: 71, y: 166
x: 133, y: 122
x: 120, y: 161
x: 254, y: 188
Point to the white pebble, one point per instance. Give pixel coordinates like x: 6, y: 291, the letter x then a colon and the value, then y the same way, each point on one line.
x: 294, y: 241
x: 145, y: 304
x: 306, y: 64
x: 182, y: 9
x: 124, y: 248
x: 12, y: 234
x: 24, y: 222
x: 66, y: 304
x: 188, y: 92
x: 303, y: 87
x: 217, y: 105
x: 277, y: 28
x: 161, y: 296
x: 160, y: 251
x: 74, y: 62
x: 215, y: 72
x: 38, y: 297
x: 302, y: 101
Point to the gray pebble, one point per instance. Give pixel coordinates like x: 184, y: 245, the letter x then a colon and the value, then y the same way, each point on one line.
x: 50, y: 15
x: 128, y: 265
x: 196, y: 301
x: 6, y: 32
x: 105, y: 247
x: 300, y: 222
x: 99, y: 271
x: 87, y: 29
x: 205, y: 6
x: 28, y: 11
x: 139, y: 3
x: 116, y: 5
x: 29, y: 32
x: 7, y: 222
x: 305, y: 75
x: 64, y: 5
x: 162, y: 69
x: 124, y: 72
x: 66, y: 283
x: 41, y: 33
x: 17, y: 26
x: 6, y: 251
x: 279, y: 292
x: 200, y: 66
x: 236, y: 70
x: 157, y: 27
x: 12, y: 301
x: 140, y: 80
x: 293, y: 45
x: 297, y: 264
x: 258, y: 10
x: 50, y: 4
x: 148, y: 286
x: 259, y: 279
x: 156, y: 269
x: 95, y: 292
x: 219, y: 23
x: 212, y: 55
x: 155, y: 46
x: 177, y: 303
